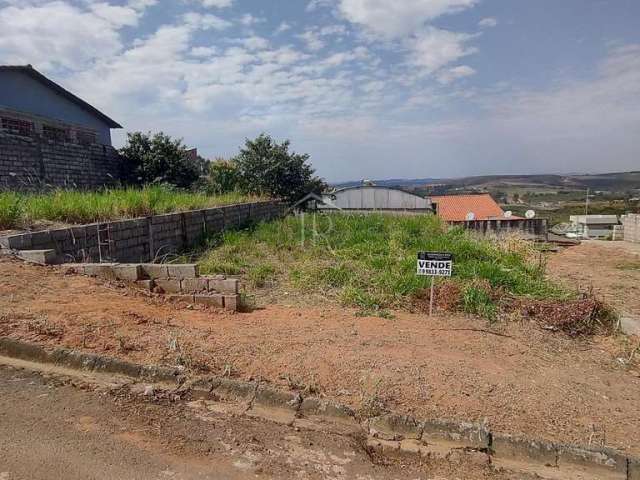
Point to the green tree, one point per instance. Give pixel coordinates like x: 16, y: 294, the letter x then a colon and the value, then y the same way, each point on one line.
x: 158, y: 159
x: 269, y: 168
x: 222, y: 176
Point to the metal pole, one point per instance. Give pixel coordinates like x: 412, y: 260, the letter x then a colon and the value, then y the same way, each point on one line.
x: 431, y: 298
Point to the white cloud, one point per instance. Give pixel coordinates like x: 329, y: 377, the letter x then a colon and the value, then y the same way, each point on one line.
x: 313, y: 40
x: 314, y: 5
x: 433, y: 48
x: 249, y: 20
x: 283, y: 27
x: 254, y: 43
x: 117, y: 16
x: 398, y: 18
x: 205, y: 21
x: 141, y: 4
x: 203, y: 51
x: 217, y: 3
x: 488, y: 22
x: 57, y: 34
x: 451, y: 74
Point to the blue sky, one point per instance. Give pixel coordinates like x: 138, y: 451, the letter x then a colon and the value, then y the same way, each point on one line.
x: 370, y: 88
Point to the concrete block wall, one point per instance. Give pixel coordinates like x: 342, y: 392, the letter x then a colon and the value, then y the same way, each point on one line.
x: 631, y: 223
x: 143, y: 239
x: 535, y: 228
x: 33, y: 162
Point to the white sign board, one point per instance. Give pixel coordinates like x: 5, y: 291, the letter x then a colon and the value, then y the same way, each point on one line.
x: 435, y: 264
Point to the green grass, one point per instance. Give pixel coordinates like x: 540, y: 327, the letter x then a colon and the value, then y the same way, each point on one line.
x: 72, y: 206
x: 369, y: 261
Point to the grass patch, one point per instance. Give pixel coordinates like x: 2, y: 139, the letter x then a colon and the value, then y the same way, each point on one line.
x: 76, y: 207
x: 369, y: 261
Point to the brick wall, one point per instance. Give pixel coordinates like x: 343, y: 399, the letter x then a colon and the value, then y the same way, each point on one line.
x: 32, y: 162
x: 143, y: 239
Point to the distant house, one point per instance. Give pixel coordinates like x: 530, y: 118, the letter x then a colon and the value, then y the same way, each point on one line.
x: 593, y: 226
x: 49, y: 136
x: 458, y: 208
x: 369, y: 197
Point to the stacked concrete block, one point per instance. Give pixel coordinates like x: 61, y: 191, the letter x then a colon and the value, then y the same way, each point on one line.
x: 182, y: 281
x: 631, y: 223
x: 142, y: 239
x: 30, y: 162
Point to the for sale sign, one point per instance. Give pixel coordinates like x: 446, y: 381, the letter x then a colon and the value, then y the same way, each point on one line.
x: 435, y: 264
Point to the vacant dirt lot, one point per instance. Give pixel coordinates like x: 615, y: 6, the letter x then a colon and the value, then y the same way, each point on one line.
x: 612, y: 269
x: 519, y: 378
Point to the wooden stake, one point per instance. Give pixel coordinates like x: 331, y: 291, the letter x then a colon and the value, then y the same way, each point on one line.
x: 431, y: 298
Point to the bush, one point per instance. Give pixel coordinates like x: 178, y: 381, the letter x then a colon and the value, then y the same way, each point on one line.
x: 222, y: 177
x: 156, y: 159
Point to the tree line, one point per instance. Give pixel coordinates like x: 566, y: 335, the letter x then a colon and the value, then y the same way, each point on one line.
x: 262, y: 166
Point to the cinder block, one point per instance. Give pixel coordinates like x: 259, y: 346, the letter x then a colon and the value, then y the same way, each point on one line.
x: 130, y: 272
x: 181, y: 298
x: 154, y: 270
x: 102, y: 270
x: 463, y: 433
x: 396, y: 427
x: 231, y: 302
x: 44, y: 257
x: 195, y: 285
x: 20, y: 242
x: 231, y: 285
x: 508, y: 446
x: 210, y: 300
x: 146, y: 284
x: 170, y: 285
x: 603, y: 458
x: 188, y: 270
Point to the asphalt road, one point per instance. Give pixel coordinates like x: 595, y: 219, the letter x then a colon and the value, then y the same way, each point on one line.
x: 50, y: 429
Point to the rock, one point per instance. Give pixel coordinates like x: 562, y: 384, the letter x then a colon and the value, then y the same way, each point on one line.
x: 148, y: 391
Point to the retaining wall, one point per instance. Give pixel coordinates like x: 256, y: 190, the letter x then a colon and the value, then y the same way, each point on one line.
x: 631, y: 223
x: 143, y: 239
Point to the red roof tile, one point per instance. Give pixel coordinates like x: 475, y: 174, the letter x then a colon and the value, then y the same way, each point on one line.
x: 454, y: 208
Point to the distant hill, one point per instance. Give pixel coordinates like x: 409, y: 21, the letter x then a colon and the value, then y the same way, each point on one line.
x: 617, y: 181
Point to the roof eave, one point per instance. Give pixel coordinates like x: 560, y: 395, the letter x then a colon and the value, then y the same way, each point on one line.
x: 29, y: 70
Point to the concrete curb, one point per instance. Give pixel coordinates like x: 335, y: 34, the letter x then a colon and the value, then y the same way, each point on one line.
x: 390, y: 432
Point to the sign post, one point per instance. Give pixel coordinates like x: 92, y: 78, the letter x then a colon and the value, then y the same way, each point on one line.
x: 434, y: 264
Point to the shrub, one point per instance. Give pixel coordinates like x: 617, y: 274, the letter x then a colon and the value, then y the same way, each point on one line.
x: 266, y: 167
x: 154, y: 159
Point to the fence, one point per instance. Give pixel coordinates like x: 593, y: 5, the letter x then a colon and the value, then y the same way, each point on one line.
x: 535, y: 228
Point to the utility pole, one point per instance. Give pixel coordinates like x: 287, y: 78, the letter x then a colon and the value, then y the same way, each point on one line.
x: 586, y: 204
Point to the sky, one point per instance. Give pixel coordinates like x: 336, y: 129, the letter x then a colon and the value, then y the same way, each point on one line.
x: 368, y: 88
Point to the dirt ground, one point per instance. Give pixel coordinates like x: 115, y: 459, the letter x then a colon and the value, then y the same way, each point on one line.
x: 68, y: 427
x: 612, y: 269
x: 516, y: 377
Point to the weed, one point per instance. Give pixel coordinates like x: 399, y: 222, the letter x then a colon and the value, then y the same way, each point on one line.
x: 42, y: 326
x: 72, y: 206
x: 10, y: 210
x: 369, y: 261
